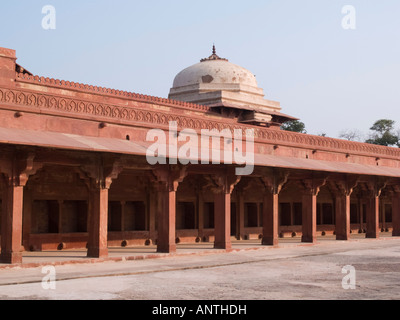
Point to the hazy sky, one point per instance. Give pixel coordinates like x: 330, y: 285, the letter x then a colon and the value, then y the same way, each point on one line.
x: 329, y: 77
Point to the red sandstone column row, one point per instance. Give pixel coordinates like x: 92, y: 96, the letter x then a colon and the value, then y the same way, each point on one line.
x: 16, y: 170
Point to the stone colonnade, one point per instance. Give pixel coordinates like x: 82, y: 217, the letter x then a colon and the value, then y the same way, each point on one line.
x: 17, y: 167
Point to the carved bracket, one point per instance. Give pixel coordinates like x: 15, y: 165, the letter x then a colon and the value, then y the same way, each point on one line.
x: 223, y: 183
x: 345, y: 187
x: 169, y: 177
x: 376, y: 185
x: 102, y: 173
x: 312, y: 186
x: 274, y: 183
x: 18, y: 167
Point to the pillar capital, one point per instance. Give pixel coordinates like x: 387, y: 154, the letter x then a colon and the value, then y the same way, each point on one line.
x: 312, y: 186
x: 168, y: 177
x: 223, y: 182
x: 17, y: 167
x: 344, y: 187
x: 275, y: 181
x: 102, y: 172
x: 375, y: 186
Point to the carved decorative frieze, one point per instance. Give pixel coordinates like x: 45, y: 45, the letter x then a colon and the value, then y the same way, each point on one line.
x: 151, y: 117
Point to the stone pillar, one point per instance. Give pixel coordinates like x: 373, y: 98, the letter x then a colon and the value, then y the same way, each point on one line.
x: 101, y: 174
x: 240, y: 207
x: 200, y: 206
x: 309, y: 208
x: 222, y: 220
x: 98, y: 222
x: 396, y: 213
x: 11, y: 231
x: 342, y: 206
x: 16, y: 168
x: 273, y: 184
x: 321, y: 214
x: 27, y: 217
x: 291, y: 213
x: 372, y: 220
x: 343, y: 190
x: 383, y: 213
x: 167, y: 179
x: 166, y: 221
x: 270, y: 219
x: 222, y: 187
x: 375, y: 188
x: 152, y: 214
x: 259, y: 214
x: 360, y: 208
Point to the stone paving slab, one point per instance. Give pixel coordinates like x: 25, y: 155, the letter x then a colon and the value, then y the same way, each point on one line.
x: 41, y: 258
x: 291, y: 271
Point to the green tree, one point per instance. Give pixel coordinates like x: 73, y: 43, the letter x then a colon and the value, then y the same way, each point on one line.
x: 294, y: 126
x: 383, y: 133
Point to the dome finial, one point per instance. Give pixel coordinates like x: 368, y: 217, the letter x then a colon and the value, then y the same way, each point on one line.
x: 214, y: 56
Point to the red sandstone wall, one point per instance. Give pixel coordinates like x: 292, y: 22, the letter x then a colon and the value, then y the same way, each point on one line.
x: 61, y: 106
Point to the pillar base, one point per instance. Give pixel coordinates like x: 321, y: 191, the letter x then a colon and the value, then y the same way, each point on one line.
x: 11, y: 257
x: 342, y: 237
x: 223, y: 245
x: 97, y: 253
x: 166, y: 248
x: 308, y: 239
x: 372, y: 235
x: 269, y: 241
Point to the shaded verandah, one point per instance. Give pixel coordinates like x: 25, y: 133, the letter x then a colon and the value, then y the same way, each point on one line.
x: 109, y: 188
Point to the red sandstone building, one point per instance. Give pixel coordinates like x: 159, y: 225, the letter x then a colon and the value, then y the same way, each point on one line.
x: 74, y: 172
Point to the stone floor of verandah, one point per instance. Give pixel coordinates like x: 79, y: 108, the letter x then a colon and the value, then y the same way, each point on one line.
x: 40, y: 258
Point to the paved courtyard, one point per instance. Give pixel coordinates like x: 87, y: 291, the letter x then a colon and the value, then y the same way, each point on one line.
x: 291, y: 272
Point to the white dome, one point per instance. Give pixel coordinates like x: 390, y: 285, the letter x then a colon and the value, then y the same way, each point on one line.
x: 217, y: 72
x: 216, y: 81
